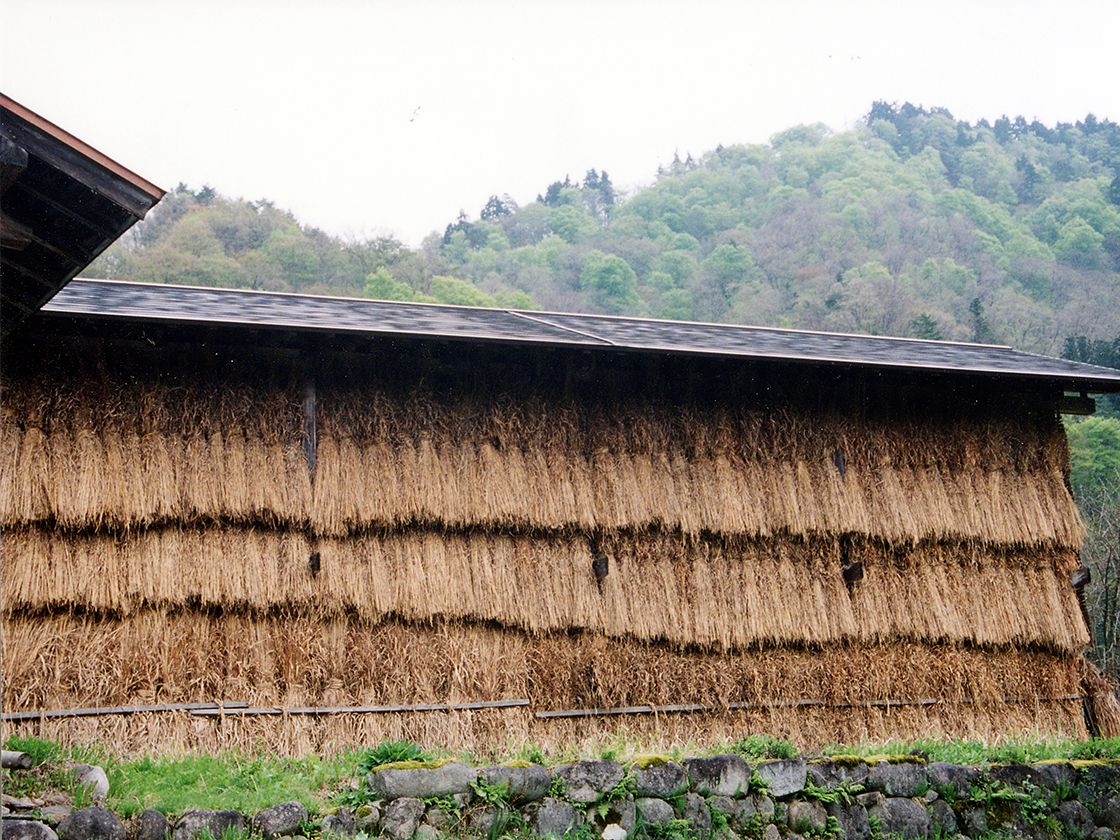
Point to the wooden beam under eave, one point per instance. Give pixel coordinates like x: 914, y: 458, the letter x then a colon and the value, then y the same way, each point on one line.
x: 13, y: 234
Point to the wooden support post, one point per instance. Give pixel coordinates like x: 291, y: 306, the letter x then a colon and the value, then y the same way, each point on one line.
x: 310, y: 435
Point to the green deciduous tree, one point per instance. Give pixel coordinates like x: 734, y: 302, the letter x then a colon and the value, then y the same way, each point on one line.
x: 382, y: 286
x: 459, y: 292
x: 610, y: 282
x: 1079, y: 245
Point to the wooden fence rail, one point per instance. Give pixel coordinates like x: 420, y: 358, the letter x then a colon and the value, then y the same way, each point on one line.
x: 237, y: 708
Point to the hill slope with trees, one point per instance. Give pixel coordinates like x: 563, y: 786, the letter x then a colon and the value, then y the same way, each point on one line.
x: 913, y: 223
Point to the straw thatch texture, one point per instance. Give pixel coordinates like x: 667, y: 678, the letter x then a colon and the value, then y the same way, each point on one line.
x: 166, y: 540
x: 537, y: 465
x: 294, y: 662
x: 109, y: 479
x: 289, y: 660
x: 88, y: 455
x: 541, y: 465
x: 710, y: 593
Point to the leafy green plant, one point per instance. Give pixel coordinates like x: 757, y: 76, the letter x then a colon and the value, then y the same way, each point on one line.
x: 1063, y: 792
x: 391, y: 752
x: 533, y: 754
x: 627, y: 786
x: 832, y: 828
x: 720, y: 823
x: 507, y: 823
x: 1036, y: 812
x: 491, y: 793
x: 1097, y: 748
x: 446, y: 804
x: 844, y: 793
x: 583, y: 831
x: 987, y: 791
x: 174, y: 785
x: 947, y: 791
x: 758, y: 785
x: 558, y: 789
x: 755, y: 827
x: 764, y: 746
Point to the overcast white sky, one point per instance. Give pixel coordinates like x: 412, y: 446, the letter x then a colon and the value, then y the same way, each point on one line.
x: 389, y: 117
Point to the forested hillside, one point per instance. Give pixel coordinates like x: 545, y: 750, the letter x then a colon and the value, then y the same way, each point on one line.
x: 913, y: 223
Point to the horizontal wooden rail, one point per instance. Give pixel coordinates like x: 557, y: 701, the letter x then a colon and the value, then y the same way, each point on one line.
x: 360, y: 710
x: 237, y: 708
x: 42, y: 714
x: 784, y: 704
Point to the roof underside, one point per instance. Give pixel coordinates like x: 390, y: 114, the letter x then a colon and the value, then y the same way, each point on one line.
x: 140, y: 302
x: 64, y: 203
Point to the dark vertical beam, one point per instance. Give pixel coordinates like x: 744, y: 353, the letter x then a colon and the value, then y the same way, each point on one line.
x: 310, y: 442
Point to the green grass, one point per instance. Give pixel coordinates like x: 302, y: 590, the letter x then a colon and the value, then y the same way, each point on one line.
x: 175, y: 785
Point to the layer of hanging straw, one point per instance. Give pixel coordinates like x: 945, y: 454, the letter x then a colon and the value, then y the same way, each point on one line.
x: 292, y: 662
x: 154, y: 657
x: 711, y: 593
x: 537, y: 464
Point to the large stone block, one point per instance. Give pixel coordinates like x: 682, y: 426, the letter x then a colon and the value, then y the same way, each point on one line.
x: 653, y: 811
x: 193, y: 824
x: 422, y: 783
x: 783, y: 777
x: 903, y: 817
x: 402, y: 818
x: 92, y: 824
x: 897, y: 779
x: 19, y: 829
x: 556, y: 818
x: 954, y: 777
x: 150, y: 824
x: 695, y: 811
x: 660, y: 780
x: 853, y: 820
x: 827, y: 773
x: 806, y: 816
x: 283, y: 820
x: 525, y: 784
x: 720, y: 775
x: 586, y: 780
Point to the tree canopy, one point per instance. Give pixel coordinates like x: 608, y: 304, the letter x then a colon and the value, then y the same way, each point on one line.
x: 913, y: 223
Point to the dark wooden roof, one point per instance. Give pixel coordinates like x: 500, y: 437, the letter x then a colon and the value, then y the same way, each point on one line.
x: 266, y: 311
x: 63, y: 203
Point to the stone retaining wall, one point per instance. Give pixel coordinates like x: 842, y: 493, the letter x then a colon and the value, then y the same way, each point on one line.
x: 723, y: 796
x: 728, y: 796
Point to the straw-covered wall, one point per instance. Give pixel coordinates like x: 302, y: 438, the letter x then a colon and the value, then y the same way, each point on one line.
x: 711, y: 593
x: 576, y: 537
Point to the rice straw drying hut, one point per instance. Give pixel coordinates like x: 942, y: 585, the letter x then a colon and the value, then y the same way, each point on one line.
x: 293, y: 503
x: 236, y: 519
